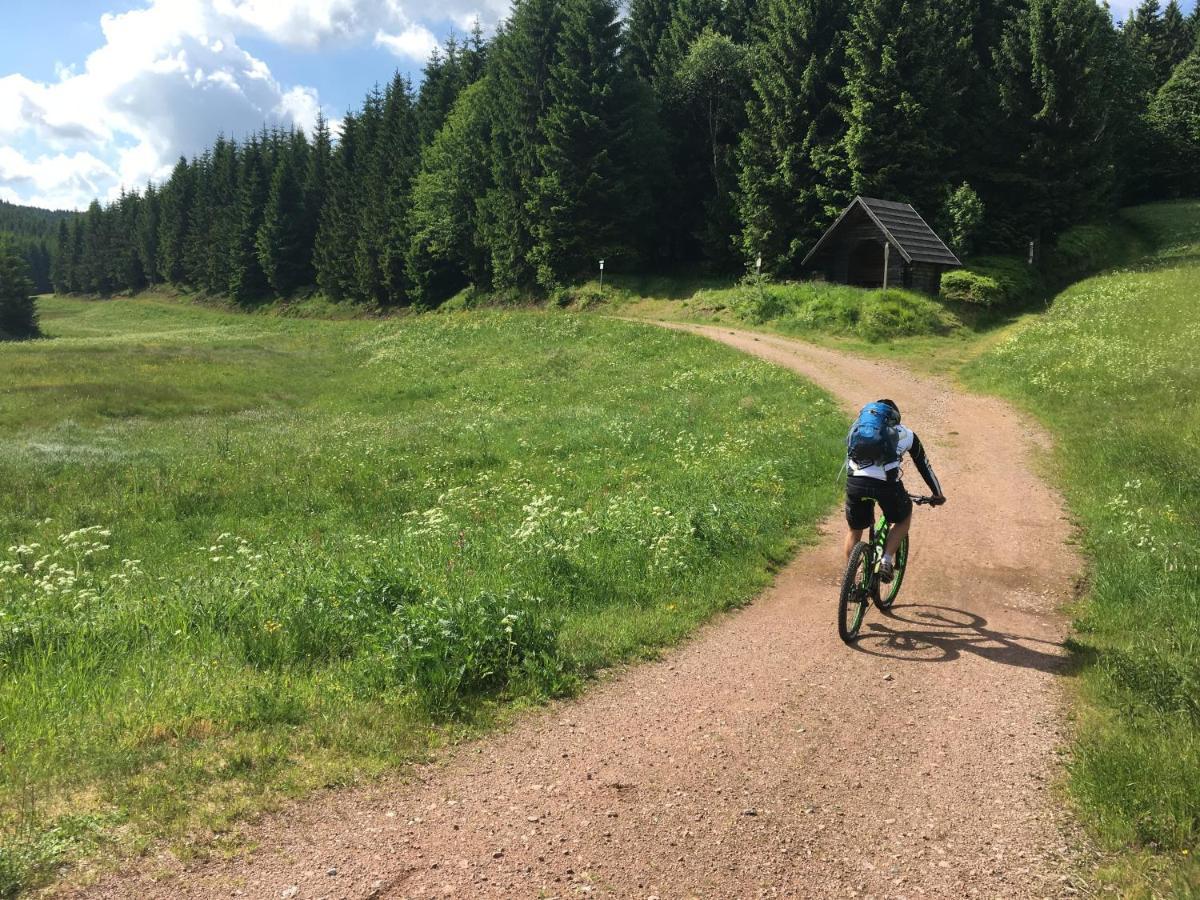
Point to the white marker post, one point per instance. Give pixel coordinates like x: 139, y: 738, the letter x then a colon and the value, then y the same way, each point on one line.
x: 887, y: 262
x: 601, y: 278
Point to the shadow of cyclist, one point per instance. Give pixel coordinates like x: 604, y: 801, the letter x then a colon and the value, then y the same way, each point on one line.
x: 925, y: 633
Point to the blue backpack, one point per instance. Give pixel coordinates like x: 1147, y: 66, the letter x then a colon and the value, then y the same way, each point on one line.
x: 874, y: 439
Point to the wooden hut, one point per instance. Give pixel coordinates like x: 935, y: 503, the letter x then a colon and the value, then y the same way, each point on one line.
x: 878, y: 243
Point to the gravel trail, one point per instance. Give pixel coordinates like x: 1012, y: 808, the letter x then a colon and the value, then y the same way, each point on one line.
x: 764, y: 758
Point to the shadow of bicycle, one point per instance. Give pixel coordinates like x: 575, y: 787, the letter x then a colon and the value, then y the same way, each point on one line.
x: 924, y: 633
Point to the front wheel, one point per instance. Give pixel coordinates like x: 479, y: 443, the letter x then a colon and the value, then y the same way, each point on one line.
x: 856, y: 593
x: 893, y: 589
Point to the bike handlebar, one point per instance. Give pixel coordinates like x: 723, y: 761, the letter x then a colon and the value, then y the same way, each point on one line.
x: 927, y: 501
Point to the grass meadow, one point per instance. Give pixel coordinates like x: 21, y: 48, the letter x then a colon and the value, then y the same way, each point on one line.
x: 244, y: 557
x: 1114, y: 369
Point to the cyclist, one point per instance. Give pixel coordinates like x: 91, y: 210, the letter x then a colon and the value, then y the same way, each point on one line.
x: 878, y: 481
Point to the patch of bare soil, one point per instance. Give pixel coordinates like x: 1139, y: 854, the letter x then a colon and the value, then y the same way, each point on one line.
x: 765, y: 758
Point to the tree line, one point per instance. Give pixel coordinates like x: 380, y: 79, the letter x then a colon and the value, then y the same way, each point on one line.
x: 31, y: 233
x: 684, y: 133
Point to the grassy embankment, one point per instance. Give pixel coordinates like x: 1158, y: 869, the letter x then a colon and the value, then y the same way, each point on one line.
x: 937, y: 335
x: 1114, y: 370
x: 245, y: 557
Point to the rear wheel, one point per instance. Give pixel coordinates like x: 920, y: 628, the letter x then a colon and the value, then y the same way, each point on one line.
x: 856, y: 593
x: 893, y: 589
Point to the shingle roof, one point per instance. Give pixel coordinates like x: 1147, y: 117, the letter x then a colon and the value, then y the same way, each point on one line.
x: 903, y: 227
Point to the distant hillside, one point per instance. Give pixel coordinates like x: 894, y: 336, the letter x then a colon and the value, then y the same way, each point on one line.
x: 34, y: 231
x: 30, y: 221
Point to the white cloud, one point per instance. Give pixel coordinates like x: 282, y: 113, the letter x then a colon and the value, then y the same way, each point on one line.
x: 394, y: 24
x: 415, y: 42
x: 52, y: 181
x: 167, y: 80
x: 170, y: 76
x: 306, y: 23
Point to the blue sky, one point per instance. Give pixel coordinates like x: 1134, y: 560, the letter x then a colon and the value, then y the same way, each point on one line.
x: 96, y: 95
x: 100, y: 94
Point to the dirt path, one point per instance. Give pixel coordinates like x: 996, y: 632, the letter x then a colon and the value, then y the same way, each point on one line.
x: 764, y: 758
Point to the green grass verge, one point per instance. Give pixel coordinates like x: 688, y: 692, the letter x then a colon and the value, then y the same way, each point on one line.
x: 813, y: 308
x: 249, y: 556
x: 1114, y: 369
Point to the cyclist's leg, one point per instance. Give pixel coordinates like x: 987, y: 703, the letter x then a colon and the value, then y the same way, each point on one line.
x: 853, y: 536
x: 896, y: 536
x: 898, y: 510
x: 860, y: 514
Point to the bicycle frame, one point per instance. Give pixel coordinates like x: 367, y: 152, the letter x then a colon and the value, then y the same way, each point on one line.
x: 877, y: 545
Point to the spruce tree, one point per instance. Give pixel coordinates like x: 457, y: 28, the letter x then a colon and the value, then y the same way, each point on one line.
x: 1178, y: 39
x: 18, y: 309
x: 76, y: 269
x: 316, y: 186
x: 206, y: 215
x: 741, y: 21
x: 648, y: 22
x: 282, y: 252
x: 449, y: 71
x: 589, y: 197
x: 519, y: 64
x: 247, y: 281
x: 396, y: 161
x: 222, y: 226
x: 1175, y: 118
x: 444, y: 253
x: 899, y: 103
x: 125, y: 262
x: 1146, y: 21
x: 1055, y: 90
x: 148, y: 228
x: 370, y: 175
x: 96, y: 278
x: 175, y: 212
x: 61, y: 272
x: 794, y: 177
x: 689, y: 20
x: 337, y: 235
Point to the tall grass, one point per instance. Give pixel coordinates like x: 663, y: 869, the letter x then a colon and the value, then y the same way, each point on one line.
x: 1114, y: 369
x: 246, y: 557
x: 809, y: 308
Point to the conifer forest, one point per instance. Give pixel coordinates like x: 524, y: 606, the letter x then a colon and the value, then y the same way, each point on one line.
x: 673, y: 133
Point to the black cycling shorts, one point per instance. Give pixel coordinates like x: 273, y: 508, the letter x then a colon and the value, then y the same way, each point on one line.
x: 863, y: 493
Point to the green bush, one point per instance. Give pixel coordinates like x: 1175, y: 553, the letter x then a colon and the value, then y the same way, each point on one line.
x: 966, y: 286
x: 996, y: 282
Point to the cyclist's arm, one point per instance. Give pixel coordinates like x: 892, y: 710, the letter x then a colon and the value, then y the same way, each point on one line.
x: 917, y: 452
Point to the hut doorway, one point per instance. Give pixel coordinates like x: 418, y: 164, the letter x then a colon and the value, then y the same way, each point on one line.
x: 866, y: 264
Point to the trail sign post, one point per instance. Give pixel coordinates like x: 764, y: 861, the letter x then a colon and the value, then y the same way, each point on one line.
x: 601, y: 278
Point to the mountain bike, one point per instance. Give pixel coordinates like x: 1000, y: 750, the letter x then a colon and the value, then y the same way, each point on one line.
x: 861, y: 587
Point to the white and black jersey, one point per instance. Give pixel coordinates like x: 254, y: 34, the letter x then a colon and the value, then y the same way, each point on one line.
x: 908, y: 443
